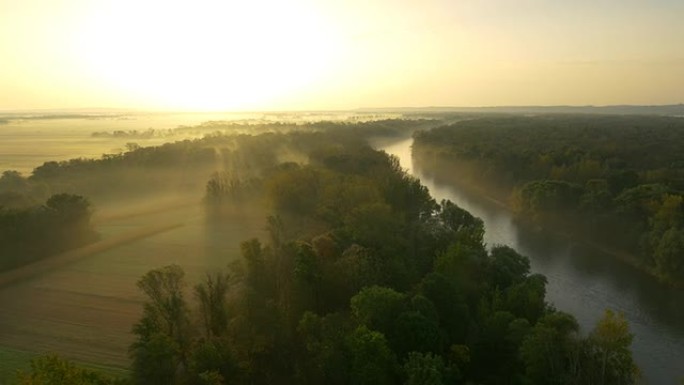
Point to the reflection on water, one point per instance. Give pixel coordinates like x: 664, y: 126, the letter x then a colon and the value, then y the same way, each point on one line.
x: 582, y: 281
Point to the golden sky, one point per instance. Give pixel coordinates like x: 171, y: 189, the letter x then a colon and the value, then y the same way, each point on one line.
x: 324, y: 54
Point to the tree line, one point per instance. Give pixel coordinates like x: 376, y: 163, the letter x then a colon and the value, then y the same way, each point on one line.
x: 47, y: 212
x: 33, y: 232
x: 617, y: 180
x: 363, y: 279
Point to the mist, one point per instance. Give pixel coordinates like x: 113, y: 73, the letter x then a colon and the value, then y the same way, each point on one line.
x: 273, y: 238
x: 147, y: 204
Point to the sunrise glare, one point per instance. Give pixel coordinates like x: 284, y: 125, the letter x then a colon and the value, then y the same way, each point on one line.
x: 301, y: 54
x: 341, y: 192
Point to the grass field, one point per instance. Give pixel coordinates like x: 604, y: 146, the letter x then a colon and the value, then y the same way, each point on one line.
x: 12, y: 361
x: 83, y: 304
x: 29, y: 142
x: 84, y: 309
x: 26, y: 144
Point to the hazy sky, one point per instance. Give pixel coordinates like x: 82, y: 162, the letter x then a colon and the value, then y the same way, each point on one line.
x: 324, y: 54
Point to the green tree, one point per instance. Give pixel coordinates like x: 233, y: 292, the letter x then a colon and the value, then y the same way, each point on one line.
x: 71, y: 209
x: 414, y: 332
x: 467, y: 227
x: 374, y: 225
x: 423, y: 369
x: 507, y: 267
x: 12, y: 181
x: 377, y: 308
x: 495, y: 350
x: 450, y: 305
x: 526, y: 298
x: 163, y: 333
x: 372, y: 361
x: 156, y: 359
x: 669, y: 254
x: 54, y: 370
x: 212, y: 362
x: 212, y: 300
x: 550, y: 351
x: 609, y: 358
x: 326, y: 359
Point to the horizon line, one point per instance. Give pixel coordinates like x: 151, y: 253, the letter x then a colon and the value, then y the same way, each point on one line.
x: 357, y: 109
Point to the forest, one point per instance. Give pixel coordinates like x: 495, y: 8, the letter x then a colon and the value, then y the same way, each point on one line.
x: 363, y: 278
x: 31, y: 232
x: 50, y: 210
x: 617, y: 181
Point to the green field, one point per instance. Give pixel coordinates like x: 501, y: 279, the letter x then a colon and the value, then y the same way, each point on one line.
x: 83, y: 304
x: 13, y: 360
x: 26, y: 144
x: 84, y: 309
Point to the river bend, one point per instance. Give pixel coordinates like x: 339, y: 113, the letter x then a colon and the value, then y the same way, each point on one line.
x: 582, y: 281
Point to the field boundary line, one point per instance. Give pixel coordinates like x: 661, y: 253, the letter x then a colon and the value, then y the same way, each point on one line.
x: 50, y: 263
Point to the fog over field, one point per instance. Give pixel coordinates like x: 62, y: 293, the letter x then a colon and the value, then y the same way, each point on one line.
x: 29, y: 138
x: 297, y: 213
x: 309, y: 192
x: 82, y: 302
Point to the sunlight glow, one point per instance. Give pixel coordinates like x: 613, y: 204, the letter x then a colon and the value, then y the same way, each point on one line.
x: 207, y: 55
x: 331, y: 54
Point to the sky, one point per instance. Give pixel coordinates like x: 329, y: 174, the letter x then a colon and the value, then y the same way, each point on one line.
x: 328, y: 55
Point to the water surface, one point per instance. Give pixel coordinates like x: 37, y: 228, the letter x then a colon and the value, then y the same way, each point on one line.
x: 582, y: 281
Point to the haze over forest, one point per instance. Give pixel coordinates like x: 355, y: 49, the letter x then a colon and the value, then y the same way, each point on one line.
x: 341, y: 192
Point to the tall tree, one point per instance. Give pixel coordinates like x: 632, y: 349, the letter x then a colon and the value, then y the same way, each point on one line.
x: 211, y: 295
x: 550, y: 350
x: 163, y: 334
x: 608, y: 352
x: 423, y: 369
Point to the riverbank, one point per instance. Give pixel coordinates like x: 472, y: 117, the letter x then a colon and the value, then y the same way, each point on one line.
x: 498, y: 197
x: 581, y: 281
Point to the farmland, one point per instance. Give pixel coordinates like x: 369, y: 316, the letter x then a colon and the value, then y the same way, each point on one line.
x: 346, y: 218
x: 28, y: 141
x: 84, y: 309
x: 83, y: 303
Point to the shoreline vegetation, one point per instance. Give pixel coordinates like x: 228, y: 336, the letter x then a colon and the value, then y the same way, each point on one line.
x: 472, y: 187
x: 580, y: 177
x: 361, y: 277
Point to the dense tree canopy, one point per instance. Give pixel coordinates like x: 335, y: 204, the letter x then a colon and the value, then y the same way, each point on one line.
x: 365, y: 279
x: 33, y: 232
x: 618, y: 180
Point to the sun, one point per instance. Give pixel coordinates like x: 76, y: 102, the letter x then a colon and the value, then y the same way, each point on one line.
x: 207, y: 55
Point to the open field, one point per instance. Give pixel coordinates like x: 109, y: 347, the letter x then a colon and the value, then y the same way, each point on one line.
x: 12, y: 360
x: 29, y: 140
x: 83, y: 303
x: 84, y: 308
x: 26, y: 144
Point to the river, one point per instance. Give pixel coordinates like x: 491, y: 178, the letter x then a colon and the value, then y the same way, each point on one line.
x: 582, y: 281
